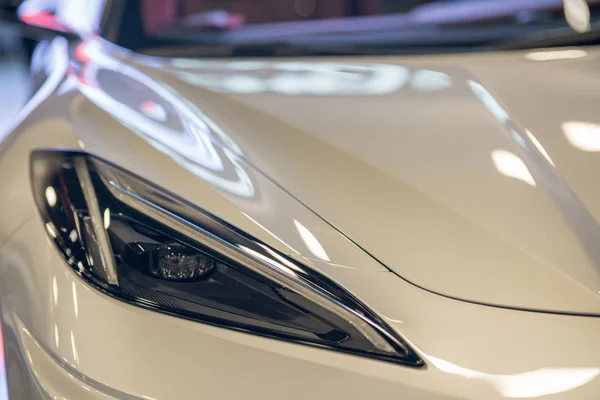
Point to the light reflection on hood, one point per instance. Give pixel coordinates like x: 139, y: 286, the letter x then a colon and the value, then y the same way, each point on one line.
x: 511, y: 165
x: 175, y: 126
x: 308, y: 78
x: 582, y: 135
x: 163, y: 117
x: 531, y: 384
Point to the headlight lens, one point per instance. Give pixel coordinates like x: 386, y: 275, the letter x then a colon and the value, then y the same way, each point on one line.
x: 146, y: 246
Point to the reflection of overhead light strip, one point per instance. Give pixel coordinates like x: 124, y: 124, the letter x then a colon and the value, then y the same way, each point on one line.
x: 489, y: 101
x: 245, y: 65
x: 425, y: 80
x: 268, y: 260
x: 556, y: 55
x: 106, y: 218
x: 198, y: 156
x: 577, y: 14
x: 75, y: 301
x: 281, y: 259
x: 270, y: 233
x: 531, y: 384
x: 512, y: 166
x: 199, y: 148
x: 539, y: 146
x: 51, y: 230
x: 74, y: 348
x: 241, y: 186
x: 506, y: 163
x: 56, y: 337
x: 310, y: 78
x: 311, y: 242
x: 50, y: 196
x: 583, y: 135
x: 55, y: 290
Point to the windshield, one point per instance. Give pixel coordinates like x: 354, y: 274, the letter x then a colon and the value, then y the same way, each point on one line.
x: 227, y: 27
x: 347, y: 25
x: 232, y: 14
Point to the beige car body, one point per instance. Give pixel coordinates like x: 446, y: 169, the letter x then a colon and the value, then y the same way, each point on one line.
x: 454, y: 195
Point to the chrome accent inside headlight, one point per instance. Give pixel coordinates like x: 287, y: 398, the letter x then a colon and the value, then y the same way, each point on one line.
x: 146, y: 246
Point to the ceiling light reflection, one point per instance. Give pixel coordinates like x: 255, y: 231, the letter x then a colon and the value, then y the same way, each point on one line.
x: 55, y: 290
x: 553, y: 55
x: 246, y: 65
x: 305, y: 78
x: 539, y: 146
x: 168, y: 121
x: 51, y: 196
x: 531, y: 384
x: 56, y: 338
x: 311, y: 242
x: 583, y: 135
x: 267, y: 260
x: 512, y: 166
x: 244, y: 84
x: 74, y: 348
x: 577, y: 13
x: 106, y: 218
x: 270, y: 233
x: 281, y: 259
x: 51, y: 230
x: 425, y: 80
x: 489, y: 101
x: 75, y: 301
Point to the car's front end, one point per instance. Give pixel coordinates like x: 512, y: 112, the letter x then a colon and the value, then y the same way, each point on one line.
x: 303, y: 227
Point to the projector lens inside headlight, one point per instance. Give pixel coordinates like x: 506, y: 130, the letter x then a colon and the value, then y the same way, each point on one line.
x: 148, y: 247
x: 170, y: 261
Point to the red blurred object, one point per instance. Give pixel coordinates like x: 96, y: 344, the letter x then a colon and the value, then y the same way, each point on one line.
x: 81, y: 54
x: 43, y: 19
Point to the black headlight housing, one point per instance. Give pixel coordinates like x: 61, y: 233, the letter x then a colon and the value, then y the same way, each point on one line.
x: 146, y: 246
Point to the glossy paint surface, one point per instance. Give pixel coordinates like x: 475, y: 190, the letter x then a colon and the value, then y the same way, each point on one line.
x: 471, y: 176
x: 471, y: 351
x: 445, y: 171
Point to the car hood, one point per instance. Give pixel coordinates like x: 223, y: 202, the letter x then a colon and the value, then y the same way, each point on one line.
x: 471, y: 176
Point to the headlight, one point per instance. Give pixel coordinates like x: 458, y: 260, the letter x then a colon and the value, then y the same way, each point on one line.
x: 148, y: 247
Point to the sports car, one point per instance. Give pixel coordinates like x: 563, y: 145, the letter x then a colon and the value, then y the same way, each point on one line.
x: 306, y: 209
